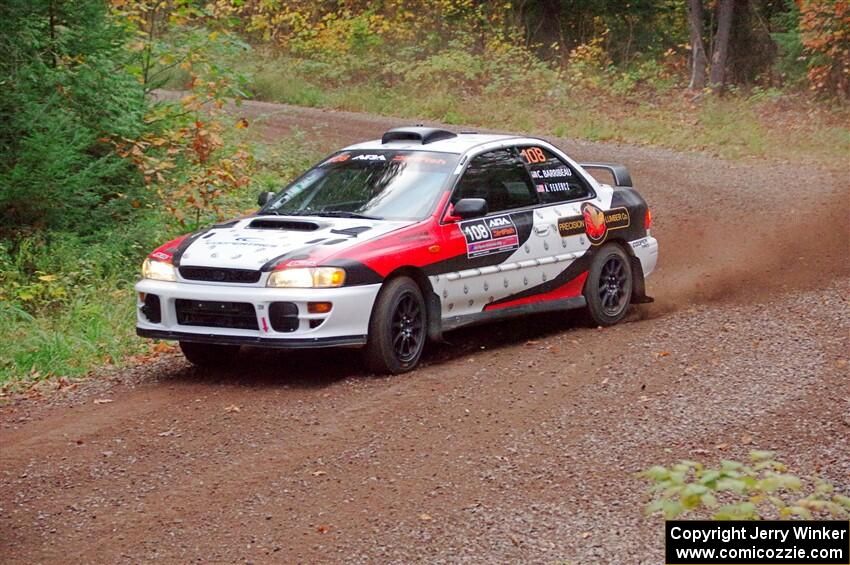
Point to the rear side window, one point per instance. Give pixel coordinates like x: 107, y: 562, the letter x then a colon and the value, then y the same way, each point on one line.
x: 554, y: 180
x: 498, y: 177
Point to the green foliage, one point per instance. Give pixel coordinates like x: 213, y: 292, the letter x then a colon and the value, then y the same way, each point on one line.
x: 760, y: 489
x: 790, y: 64
x: 66, y: 300
x: 64, y: 92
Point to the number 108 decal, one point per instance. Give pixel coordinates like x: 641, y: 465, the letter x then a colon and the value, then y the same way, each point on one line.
x: 486, y: 236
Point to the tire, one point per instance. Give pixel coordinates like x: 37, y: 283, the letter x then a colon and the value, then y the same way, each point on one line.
x: 397, y: 329
x: 208, y: 355
x: 608, y: 289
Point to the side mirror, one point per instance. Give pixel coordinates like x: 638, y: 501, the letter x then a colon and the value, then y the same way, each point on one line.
x: 264, y: 198
x: 471, y: 208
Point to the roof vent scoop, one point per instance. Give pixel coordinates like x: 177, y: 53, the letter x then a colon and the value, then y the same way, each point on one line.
x: 418, y: 134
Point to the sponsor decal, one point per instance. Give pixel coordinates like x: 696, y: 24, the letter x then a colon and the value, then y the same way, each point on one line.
x: 486, y: 236
x: 160, y: 255
x: 594, y: 222
x: 341, y: 158
x: 640, y: 243
x: 368, y: 157
x: 427, y: 159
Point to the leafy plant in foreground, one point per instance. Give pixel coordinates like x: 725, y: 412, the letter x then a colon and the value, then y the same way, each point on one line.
x: 761, y: 489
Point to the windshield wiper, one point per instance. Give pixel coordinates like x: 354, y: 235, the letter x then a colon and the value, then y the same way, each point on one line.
x: 343, y: 214
x: 324, y: 214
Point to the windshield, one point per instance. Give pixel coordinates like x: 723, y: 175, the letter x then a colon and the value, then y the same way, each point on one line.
x: 387, y: 185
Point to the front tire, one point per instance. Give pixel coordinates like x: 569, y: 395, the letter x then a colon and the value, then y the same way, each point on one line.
x: 208, y: 355
x: 398, y: 328
x: 608, y: 289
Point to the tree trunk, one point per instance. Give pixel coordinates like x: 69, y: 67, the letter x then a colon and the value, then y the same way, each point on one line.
x: 700, y: 61
x: 717, y: 76
x: 52, y: 26
x: 549, y: 30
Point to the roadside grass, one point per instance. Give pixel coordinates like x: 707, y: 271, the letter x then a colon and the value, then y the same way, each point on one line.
x: 755, y: 124
x: 89, y: 330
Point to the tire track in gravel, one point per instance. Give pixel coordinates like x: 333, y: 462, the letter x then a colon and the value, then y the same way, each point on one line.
x: 509, y: 444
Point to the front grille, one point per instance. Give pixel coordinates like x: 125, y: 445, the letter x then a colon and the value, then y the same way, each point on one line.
x: 212, y: 274
x: 283, y: 316
x: 239, y: 315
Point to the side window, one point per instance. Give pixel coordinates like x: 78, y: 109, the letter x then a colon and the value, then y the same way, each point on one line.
x: 553, y: 179
x: 498, y: 177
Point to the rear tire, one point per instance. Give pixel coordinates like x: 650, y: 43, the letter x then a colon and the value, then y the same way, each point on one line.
x: 208, y: 355
x: 608, y: 289
x: 397, y: 329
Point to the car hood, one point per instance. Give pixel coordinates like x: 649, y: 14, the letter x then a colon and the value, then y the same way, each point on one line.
x: 253, y: 242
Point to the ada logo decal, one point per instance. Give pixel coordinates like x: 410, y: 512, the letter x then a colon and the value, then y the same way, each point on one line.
x: 369, y: 158
x: 594, y: 222
x: 489, y: 235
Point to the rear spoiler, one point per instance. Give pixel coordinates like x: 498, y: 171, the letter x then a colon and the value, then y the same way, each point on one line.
x: 619, y: 172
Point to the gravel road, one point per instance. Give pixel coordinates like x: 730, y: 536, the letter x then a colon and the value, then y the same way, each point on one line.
x: 515, y: 442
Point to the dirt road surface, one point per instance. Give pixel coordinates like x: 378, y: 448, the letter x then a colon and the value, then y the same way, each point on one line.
x: 514, y: 443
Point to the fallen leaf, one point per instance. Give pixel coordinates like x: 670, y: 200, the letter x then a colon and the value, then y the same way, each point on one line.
x: 232, y: 408
x: 644, y: 398
x: 746, y: 439
x: 425, y: 517
x: 102, y: 400
x: 721, y: 446
x: 163, y: 347
x: 323, y: 528
x: 585, y: 535
x: 663, y: 353
x: 318, y: 473
x: 166, y: 433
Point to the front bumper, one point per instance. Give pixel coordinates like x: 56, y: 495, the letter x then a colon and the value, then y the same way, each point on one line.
x: 345, y: 325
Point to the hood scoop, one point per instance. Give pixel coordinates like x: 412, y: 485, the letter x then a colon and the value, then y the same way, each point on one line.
x: 283, y: 224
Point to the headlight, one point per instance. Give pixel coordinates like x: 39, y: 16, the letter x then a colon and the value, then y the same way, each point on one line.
x: 314, y: 277
x: 158, y: 270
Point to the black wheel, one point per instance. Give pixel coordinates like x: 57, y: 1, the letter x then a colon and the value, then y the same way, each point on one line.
x: 397, y: 330
x: 608, y: 289
x: 208, y: 355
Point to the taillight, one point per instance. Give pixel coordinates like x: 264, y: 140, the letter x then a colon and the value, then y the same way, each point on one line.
x: 647, y: 219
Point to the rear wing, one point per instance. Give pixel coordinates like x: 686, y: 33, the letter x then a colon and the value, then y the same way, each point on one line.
x: 619, y: 172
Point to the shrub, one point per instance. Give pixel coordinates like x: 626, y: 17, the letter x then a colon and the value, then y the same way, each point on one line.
x: 761, y: 489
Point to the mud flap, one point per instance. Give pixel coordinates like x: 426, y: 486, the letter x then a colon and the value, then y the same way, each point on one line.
x: 435, y: 325
x: 639, y: 283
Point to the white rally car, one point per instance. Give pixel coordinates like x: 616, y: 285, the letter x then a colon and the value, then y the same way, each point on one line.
x: 389, y: 243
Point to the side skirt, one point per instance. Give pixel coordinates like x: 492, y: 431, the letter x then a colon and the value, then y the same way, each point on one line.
x: 500, y: 314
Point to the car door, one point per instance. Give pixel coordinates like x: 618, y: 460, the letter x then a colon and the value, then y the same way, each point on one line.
x: 558, y: 221
x: 500, y: 256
